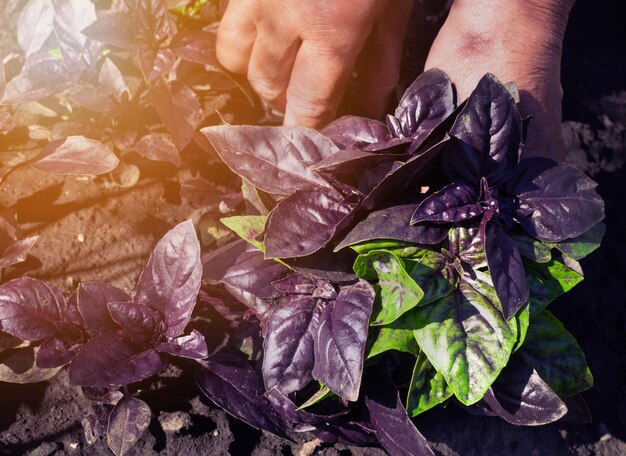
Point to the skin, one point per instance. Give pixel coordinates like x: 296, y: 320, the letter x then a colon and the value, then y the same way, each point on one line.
x: 299, y: 55
x: 517, y: 40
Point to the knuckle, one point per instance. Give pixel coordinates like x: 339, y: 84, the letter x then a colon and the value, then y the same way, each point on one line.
x: 265, y: 88
x: 311, y: 111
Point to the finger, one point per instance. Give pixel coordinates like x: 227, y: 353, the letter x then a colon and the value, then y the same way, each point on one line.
x: 270, y: 67
x: 378, y: 66
x: 235, y: 36
x: 318, y: 80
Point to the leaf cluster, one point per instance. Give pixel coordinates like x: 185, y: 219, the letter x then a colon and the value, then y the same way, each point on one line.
x: 108, y: 338
x: 457, y: 243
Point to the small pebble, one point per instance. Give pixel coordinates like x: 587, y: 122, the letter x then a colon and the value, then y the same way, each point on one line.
x: 80, y: 237
x: 174, y: 422
x: 215, y: 433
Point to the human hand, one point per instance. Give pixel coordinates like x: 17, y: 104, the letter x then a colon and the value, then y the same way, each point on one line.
x: 299, y: 55
x: 517, y: 40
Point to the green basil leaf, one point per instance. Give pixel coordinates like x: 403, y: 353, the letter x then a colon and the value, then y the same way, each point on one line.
x: 400, y: 249
x: 252, y: 198
x: 430, y: 273
x: 396, y: 290
x: 581, y: 246
x: 247, y: 227
x: 523, y: 321
x: 395, y: 336
x: 548, y: 281
x: 428, y: 388
x: 467, y: 340
x: 318, y: 397
x: 554, y: 353
x: 531, y: 248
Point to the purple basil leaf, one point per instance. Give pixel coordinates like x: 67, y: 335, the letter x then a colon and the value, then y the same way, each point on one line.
x: 299, y: 284
x: 404, y: 180
x: 254, y: 274
x: 142, y: 323
x: 93, y: 298
x: 95, y: 422
x: 341, y: 337
x: 327, y: 265
x: 394, y: 429
x: 8, y: 341
x: 351, y: 163
x: 229, y: 309
x: 191, y: 346
x: 97, y: 99
x: 328, y: 414
x: 332, y: 428
x: 54, y: 352
x: 346, y: 433
x: 9, y: 229
x: 489, y: 134
x: 455, y: 203
x: 31, y: 308
x: 394, y: 224
x: 113, y: 27
x: 111, y: 359
x: 156, y: 63
x: 159, y: 147
x: 305, y: 222
x: 233, y: 385
x: 196, y: 46
x: 216, y: 263
x: 348, y: 131
x: 4, y: 116
x: 507, y: 270
x: 109, y: 396
x: 75, y: 155
x: 202, y: 194
x: 274, y: 159
x: 521, y: 397
x: 17, y: 252
x: 111, y: 79
x: 171, y: 280
x: 178, y: 107
x: 557, y: 202
x: 128, y: 421
x: 70, y: 17
x: 371, y: 178
x: 427, y: 102
x: 259, y: 306
x: 34, y: 25
x: 288, y: 345
x: 250, y: 281
x: 42, y: 75
x: 151, y: 18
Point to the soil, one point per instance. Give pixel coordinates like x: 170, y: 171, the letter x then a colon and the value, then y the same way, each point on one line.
x: 90, y: 230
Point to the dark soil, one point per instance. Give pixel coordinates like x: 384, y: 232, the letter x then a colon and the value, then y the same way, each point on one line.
x: 93, y: 231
